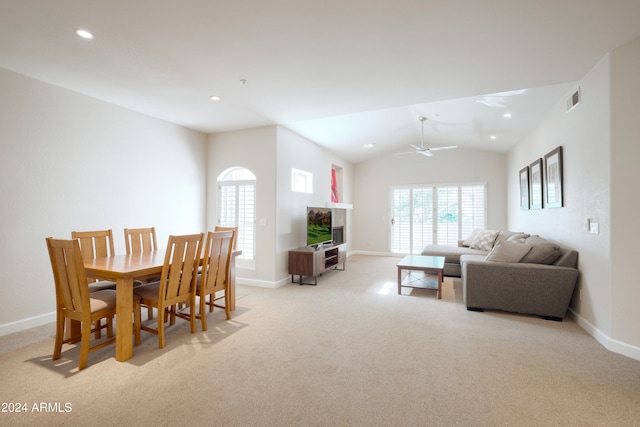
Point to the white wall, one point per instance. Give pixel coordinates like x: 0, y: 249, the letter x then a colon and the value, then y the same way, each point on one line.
x: 625, y: 202
x: 254, y: 149
x: 294, y: 151
x: 71, y: 162
x: 584, y: 134
x: 601, y: 152
x: 270, y: 153
x: 373, y: 178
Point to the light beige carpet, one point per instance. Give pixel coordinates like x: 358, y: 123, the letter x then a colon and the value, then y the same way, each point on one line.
x: 349, y: 352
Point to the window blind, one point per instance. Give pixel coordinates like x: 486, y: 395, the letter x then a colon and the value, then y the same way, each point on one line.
x: 434, y: 214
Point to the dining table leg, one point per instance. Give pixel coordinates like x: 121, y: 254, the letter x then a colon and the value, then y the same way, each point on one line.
x: 124, y: 327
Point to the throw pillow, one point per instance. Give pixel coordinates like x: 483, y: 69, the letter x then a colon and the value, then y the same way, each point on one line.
x: 484, y: 240
x: 536, y: 240
x: 542, y: 253
x: 508, y: 252
x: 518, y: 237
x: 472, y: 237
x: 505, y: 234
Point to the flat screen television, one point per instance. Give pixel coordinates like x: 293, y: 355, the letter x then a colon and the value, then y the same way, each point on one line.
x: 319, y: 226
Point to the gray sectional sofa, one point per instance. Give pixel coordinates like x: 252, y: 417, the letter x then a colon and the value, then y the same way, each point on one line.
x: 511, y: 271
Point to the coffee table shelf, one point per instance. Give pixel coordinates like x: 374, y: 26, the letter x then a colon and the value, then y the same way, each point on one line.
x: 421, y: 271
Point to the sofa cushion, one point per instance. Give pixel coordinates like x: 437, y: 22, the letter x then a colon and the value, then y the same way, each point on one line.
x: 507, y: 251
x: 542, y: 251
x: 451, y: 254
x: 484, y: 240
x: 568, y: 258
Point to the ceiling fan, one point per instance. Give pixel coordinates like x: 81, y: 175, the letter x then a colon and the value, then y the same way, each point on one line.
x: 422, y: 149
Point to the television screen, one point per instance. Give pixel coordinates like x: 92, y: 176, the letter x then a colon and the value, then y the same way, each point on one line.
x: 318, y: 226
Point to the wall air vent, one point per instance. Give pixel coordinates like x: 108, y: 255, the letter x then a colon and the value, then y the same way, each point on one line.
x: 573, y: 100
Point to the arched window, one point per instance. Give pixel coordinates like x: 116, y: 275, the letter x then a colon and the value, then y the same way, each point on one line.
x: 237, y: 208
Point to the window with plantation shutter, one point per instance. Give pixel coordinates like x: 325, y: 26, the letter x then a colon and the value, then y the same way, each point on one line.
x: 448, y: 199
x: 472, y: 209
x: 434, y: 214
x: 422, y: 218
x: 237, y: 208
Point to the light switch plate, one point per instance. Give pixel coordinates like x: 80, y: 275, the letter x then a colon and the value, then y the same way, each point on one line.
x: 593, y: 228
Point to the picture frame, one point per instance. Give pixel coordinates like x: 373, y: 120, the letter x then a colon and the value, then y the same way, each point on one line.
x: 553, y: 178
x: 535, y: 184
x: 524, y: 188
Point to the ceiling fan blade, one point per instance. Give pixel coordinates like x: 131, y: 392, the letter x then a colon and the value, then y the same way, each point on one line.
x: 426, y: 152
x: 405, y: 152
x: 443, y: 148
x: 416, y: 147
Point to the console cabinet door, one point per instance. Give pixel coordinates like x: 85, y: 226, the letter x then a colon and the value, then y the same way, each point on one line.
x: 301, y: 263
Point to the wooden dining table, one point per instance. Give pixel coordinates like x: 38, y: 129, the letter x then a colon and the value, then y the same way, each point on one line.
x: 124, y: 269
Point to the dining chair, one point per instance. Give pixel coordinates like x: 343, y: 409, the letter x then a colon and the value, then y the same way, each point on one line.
x: 95, y: 244
x: 214, y: 278
x: 177, y: 283
x: 75, y: 302
x: 138, y: 240
x: 234, y: 244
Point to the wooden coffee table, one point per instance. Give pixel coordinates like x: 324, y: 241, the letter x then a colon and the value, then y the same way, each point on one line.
x: 425, y: 264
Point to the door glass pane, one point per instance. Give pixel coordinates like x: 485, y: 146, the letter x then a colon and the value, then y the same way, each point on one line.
x: 447, y: 221
x: 422, y: 233
x: 400, y: 220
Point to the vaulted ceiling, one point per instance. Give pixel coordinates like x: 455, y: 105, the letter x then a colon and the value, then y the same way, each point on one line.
x: 340, y: 73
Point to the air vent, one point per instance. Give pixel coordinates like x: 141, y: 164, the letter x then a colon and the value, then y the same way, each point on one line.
x: 573, y: 100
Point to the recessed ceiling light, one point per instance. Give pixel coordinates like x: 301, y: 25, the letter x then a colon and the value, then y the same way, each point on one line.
x: 493, y: 137
x: 215, y: 98
x: 84, y: 34
x: 507, y: 115
x: 369, y: 145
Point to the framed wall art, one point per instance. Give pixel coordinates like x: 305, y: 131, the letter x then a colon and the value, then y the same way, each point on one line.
x: 535, y: 184
x: 524, y: 188
x: 553, y: 178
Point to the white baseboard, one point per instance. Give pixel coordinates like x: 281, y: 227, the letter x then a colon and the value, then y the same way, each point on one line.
x: 262, y: 283
x: 24, y: 324
x: 372, y: 253
x: 606, y: 341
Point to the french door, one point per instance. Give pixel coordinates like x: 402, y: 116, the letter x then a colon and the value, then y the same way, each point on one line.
x: 428, y: 214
